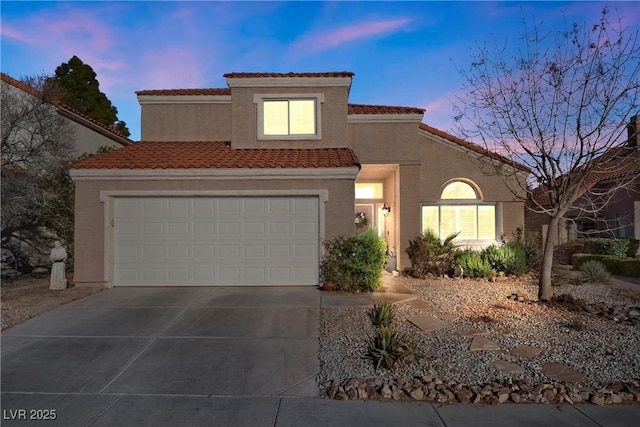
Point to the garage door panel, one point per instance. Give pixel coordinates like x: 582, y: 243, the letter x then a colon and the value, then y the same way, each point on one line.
x: 216, y: 241
x: 229, y: 229
x: 255, y: 206
x: 178, y: 206
x: 204, y: 251
x: 178, y: 229
x: 254, y: 229
x: 230, y: 205
x: 204, y: 230
x: 151, y: 207
x: 281, y: 229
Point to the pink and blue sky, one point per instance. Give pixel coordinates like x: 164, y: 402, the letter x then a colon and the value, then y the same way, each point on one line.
x: 403, y: 53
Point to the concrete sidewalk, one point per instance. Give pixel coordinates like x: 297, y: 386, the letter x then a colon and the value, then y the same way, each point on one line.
x: 214, y: 357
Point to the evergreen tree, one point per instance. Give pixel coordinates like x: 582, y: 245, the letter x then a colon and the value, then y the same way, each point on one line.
x: 82, y: 89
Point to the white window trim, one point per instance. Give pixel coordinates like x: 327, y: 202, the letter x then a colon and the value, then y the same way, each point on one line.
x: 259, y: 99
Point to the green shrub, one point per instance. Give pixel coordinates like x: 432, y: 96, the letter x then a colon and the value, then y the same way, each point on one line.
x: 532, y: 242
x: 602, y: 246
x: 634, y: 245
x: 510, y: 258
x: 355, y: 263
x: 594, y: 271
x: 629, y: 267
x: 382, y: 314
x: 473, y: 265
x: 388, y: 347
x: 430, y: 255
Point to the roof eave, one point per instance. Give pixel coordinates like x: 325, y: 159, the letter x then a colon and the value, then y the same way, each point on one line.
x: 350, y: 172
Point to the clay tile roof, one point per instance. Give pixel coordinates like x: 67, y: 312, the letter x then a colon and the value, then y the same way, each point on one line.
x: 215, y: 155
x: 616, y: 163
x: 20, y: 85
x: 86, y: 119
x: 383, y: 109
x: 258, y: 75
x: 178, y: 92
x: 473, y: 147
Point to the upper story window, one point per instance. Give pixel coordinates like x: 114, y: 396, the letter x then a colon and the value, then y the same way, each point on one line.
x: 289, y: 116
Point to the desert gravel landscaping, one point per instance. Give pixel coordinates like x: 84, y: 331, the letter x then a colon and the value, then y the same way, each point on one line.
x: 27, y: 297
x: 600, y: 351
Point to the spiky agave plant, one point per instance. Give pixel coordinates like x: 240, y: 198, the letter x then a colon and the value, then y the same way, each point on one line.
x: 382, y: 314
x: 387, y: 347
x: 594, y: 271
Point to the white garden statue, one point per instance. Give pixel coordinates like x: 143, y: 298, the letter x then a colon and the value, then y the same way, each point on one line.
x: 58, y: 257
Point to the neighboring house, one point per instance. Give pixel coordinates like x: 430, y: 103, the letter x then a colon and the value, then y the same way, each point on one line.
x: 89, y: 135
x: 616, y: 215
x: 240, y: 185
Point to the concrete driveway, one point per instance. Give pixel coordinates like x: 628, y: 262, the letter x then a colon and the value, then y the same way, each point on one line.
x: 214, y: 357
x: 128, y: 355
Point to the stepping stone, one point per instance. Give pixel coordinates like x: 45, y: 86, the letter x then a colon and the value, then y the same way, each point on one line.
x: 560, y: 372
x: 428, y: 323
x: 525, y: 351
x: 483, y: 344
x: 447, y: 317
x: 418, y: 304
x: 503, y: 365
x: 470, y: 332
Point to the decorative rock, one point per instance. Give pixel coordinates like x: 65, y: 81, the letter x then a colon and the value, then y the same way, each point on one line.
x: 525, y: 351
x: 563, y: 373
x: 458, y: 271
x: 386, y: 392
x: 483, y: 344
x: 597, y: 399
x: 417, y: 394
x: 428, y: 323
x: 513, y: 368
x: 463, y: 395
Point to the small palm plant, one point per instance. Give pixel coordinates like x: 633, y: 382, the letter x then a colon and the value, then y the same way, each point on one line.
x: 382, y: 314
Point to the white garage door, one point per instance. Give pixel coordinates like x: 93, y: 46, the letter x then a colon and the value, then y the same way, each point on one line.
x: 224, y: 241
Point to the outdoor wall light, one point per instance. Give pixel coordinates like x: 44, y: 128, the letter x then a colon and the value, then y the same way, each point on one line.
x: 386, y: 209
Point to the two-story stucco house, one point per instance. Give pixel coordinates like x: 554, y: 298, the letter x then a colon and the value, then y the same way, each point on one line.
x: 240, y: 185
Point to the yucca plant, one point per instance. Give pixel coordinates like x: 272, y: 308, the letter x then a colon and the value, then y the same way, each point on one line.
x: 387, y: 347
x: 595, y: 272
x: 382, y: 314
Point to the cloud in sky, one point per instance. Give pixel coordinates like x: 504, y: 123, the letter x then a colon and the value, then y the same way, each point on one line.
x: 318, y: 41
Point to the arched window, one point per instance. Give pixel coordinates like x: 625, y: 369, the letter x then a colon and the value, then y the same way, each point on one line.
x: 459, y: 190
x: 461, y: 210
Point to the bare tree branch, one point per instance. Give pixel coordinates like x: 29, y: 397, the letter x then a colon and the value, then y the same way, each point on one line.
x: 560, y: 106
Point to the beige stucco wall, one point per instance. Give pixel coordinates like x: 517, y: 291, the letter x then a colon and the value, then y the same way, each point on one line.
x: 90, y: 228
x: 447, y: 162
x: 387, y: 142
x: 186, y: 122
x: 89, y: 141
